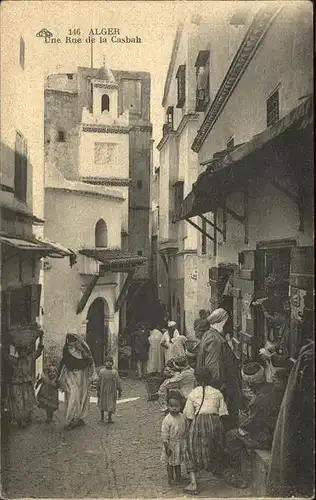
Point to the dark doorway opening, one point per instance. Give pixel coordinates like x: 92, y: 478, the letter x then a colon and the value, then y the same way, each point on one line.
x: 98, y: 329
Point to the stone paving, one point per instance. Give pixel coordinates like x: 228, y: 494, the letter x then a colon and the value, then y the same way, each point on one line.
x: 95, y: 461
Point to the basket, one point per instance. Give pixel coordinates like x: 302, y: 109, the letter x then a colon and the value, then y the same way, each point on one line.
x: 153, y: 382
x: 24, y: 336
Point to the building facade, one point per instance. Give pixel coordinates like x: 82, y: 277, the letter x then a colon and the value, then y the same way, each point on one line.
x: 22, y: 190
x: 98, y: 153
x: 202, y: 52
x: 255, y: 154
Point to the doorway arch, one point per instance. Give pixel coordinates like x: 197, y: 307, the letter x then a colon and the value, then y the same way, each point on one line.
x: 97, y: 330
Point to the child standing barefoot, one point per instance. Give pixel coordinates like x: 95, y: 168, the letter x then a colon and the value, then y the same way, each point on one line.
x: 47, y: 397
x: 204, y: 409
x: 109, y: 386
x: 173, y: 433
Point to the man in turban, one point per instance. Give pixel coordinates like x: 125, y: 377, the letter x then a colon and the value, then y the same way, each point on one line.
x: 257, y: 429
x: 215, y: 354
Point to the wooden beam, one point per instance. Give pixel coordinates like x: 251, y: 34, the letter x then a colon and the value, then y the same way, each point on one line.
x: 215, y: 233
x: 200, y: 229
x: 85, y: 297
x: 211, y: 224
x: 224, y: 225
x: 124, y: 290
x: 239, y: 218
x: 165, y: 261
x: 246, y: 210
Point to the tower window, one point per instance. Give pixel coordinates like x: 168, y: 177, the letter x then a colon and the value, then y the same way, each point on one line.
x: 105, y: 103
x: 61, y: 136
x: 70, y: 76
x: 20, y: 168
x: 139, y: 184
x: 101, y: 234
x: 180, y: 76
x: 140, y: 253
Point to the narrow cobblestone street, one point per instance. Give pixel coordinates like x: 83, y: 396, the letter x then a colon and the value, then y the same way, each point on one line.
x: 118, y: 461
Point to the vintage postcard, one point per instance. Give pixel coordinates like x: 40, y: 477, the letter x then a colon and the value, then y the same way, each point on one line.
x: 156, y: 244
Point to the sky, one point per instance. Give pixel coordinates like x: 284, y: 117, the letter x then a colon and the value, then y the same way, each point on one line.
x: 155, y: 22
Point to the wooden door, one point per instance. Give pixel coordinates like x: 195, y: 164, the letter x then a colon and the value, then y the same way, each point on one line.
x: 97, y: 330
x: 301, y: 298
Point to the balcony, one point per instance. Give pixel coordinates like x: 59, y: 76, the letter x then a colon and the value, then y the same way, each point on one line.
x: 201, y: 100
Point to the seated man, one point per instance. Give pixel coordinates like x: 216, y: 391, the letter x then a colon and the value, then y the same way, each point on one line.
x: 256, y: 431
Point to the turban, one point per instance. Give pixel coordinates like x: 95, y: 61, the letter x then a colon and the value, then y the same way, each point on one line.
x: 171, y: 323
x: 180, y: 363
x: 253, y: 373
x: 217, y: 316
x: 203, y: 326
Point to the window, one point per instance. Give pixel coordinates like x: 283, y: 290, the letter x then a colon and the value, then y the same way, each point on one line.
x: 140, y: 253
x: 70, y: 76
x: 181, y: 86
x: 139, y: 184
x: 178, y: 196
x: 169, y: 117
x: 61, y: 136
x: 273, y: 108
x: 230, y: 143
x: 105, y: 103
x: 101, y: 234
x: 22, y: 53
x: 202, y: 80
x: 20, y: 168
x: 203, y: 241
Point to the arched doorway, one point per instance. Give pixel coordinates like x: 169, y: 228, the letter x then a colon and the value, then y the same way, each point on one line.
x: 98, y: 329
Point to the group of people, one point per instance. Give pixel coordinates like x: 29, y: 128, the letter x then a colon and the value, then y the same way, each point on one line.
x: 210, y: 420
x: 74, y: 375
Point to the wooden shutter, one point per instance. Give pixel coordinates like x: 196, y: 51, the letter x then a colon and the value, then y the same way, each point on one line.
x: 213, y: 280
x: 243, y: 293
x: 301, y: 292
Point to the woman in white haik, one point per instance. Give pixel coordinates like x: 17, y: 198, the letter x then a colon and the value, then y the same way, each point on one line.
x: 76, y: 370
x: 168, y: 340
x: 155, y: 354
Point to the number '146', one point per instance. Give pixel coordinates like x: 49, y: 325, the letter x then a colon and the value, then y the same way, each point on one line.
x: 74, y: 31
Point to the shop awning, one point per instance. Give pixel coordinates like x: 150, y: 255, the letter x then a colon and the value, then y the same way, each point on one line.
x: 43, y: 246
x: 113, y: 260
x: 202, y: 198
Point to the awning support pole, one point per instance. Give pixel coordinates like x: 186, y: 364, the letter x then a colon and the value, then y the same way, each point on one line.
x: 88, y: 291
x: 200, y: 229
x: 211, y: 224
x: 165, y: 261
x: 123, y: 292
x: 224, y: 224
x: 215, y: 233
x: 246, y: 211
x: 239, y: 218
